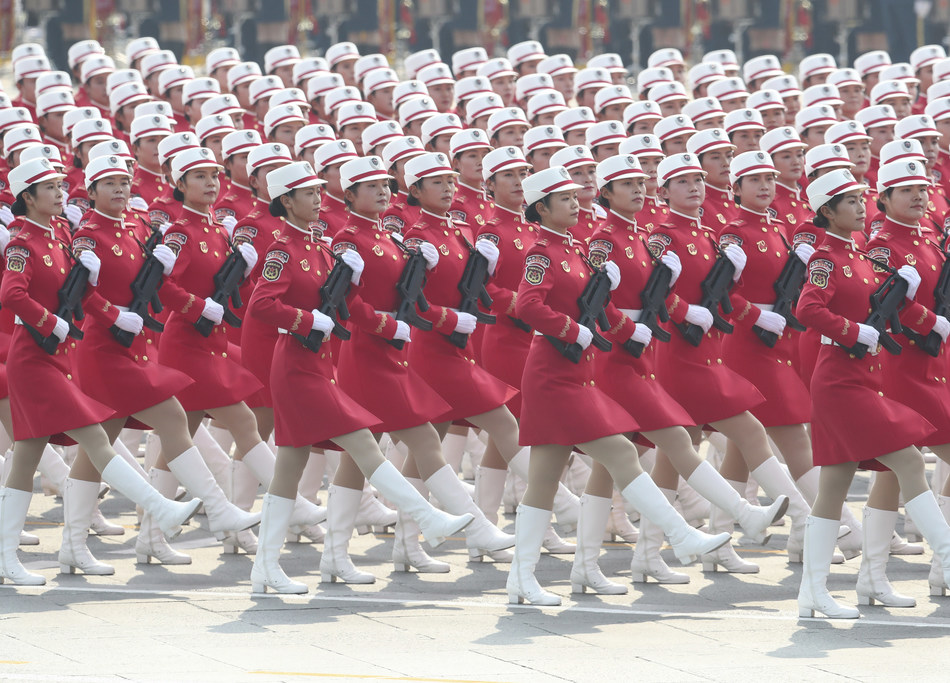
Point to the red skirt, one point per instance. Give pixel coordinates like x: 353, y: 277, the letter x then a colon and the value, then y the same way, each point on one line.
x: 562, y: 402
x: 504, y: 354
x: 773, y: 372
x: 852, y: 420
x: 919, y: 380
x: 380, y: 378
x: 697, y: 378
x: 310, y: 408
x: 257, y: 353
x: 219, y: 380
x: 809, y: 343
x: 467, y: 387
x: 128, y: 380
x: 633, y: 383
x: 45, y: 397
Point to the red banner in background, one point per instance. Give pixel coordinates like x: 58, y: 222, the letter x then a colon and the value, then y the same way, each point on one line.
x: 405, y: 16
x: 7, y: 24
x: 386, y: 11
x: 191, y: 13
x: 583, y: 26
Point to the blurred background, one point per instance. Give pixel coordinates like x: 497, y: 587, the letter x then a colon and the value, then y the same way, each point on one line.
x: 580, y: 28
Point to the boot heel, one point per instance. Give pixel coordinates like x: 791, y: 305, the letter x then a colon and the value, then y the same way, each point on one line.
x: 515, y: 599
x: 639, y: 577
x: 143, y: 558
x: 865, y: 600
x: 710, y: 566
x: 326, y: 577
x: 475, y: 555
x: 293, y: 537
x: 938, y: 591
x: 400, y: 567
x: 258, y: 587
x: 578, y: 588
x: 806, y: 612
x: 66, y: 569
x: 363, y: 530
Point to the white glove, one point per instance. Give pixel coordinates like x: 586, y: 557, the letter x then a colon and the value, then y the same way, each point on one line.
x: 771, y: 322
x: 613, y: 274
x: 466, y: 323
x: 6, y: 216
x: 402, y: 331
x: 250, y: 255
x: 584, y: 336
x: 166, y: 257
x: 129, y: 322
x: 73, y: 214
x: 697, y: 315
x: 489, y: 250
x: 61, y: 329
x: 163, y: 228
x: 229, y: 222
x: 430, y: 253
x: 322, y: 323
x: 910, y: 274
x: 642, y: 335
x: 804, y: 252
x: 213, y: 311
x: 354, y: 261
x: 868, y: 336
x: 922, y: 8
x: 92, y: 263
x: 4, y: 239
x: 942, y: 327
x: 672, y: 261
x: 737, y: 256
x: 138, y: 204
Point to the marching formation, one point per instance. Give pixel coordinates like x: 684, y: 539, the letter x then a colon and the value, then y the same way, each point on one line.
x: 325, y: 269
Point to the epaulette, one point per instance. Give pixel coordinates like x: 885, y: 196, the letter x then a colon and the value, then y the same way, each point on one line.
x: 882, y: 235
x: 824, y: 247
x: 350, y: 229
x: 542, y: 242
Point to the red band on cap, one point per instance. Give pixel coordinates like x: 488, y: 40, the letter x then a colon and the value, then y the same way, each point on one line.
x: 196, y: 163
x: 108, y: 171
x: 482, y: 112
x: 506, y: 163
x: 712, y: 145
x: 551, y: 188
x: 632, y: 172
x: 152, y: 131
x: 848, y: 136
x: 682, y: 170
x: 923, y: 181
x: 337, y: 157
x: 367, y: 174
x: 757, y: 167
x: 270, y: 160
x: 300, y: 181
x: 677, y: 131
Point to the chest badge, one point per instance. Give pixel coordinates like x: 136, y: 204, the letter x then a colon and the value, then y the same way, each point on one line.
x: 629, y: 252
x: 117, y: 250
x: 378, y: 250
x: 203, y: 246
x: 305, y: 265
x: 566, y: 266
x: 763, y: 247
x: 479, y: 219
x: 444, y: 249
x: 847, y: 271
x: 48, y: 260
x: 519, y: 245
x: 911, y: 259
x: 691, y: 248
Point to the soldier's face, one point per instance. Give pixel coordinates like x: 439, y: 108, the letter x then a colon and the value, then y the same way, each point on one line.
x: 626, y: 195
x: 907, y: 204
x: 48, y: 200
x: 756, y: 191
x: 685, y: 193
x: 790, y: 165
x: 859, y: 151
x: 111, y: 194
x: 561, y: 210
x: 369, y: 198
x: 716, y: 165
x: 304, y: 204
x: 505, y: 187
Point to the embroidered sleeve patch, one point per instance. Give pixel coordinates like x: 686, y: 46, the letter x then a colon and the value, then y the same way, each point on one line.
x: 221, y: 214
x: 657, y: 243
x: 83, y: 204
x: 81, y: 244
x: 491, y: 237
x: 413, y: 242
x: 274, y: 264
x: 819, y: 270
x: 880, y: 254
x: 157, y: 217
x: 535, y: 267
x: 340, y: 247
x: 804, y: 238
x: 458, y: 216
x: 394, y: 223
x: 244, y: 234
x: 730, y: 238
x: 600, y: 251
x: 175, y: 241
x: 16, y: 258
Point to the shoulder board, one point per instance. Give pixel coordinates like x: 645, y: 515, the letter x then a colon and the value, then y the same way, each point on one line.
x: 883, y: 235
x: 824, y: 247
x: 350, y: 229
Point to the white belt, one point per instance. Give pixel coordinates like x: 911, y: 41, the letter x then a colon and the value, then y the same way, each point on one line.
x: 281, y: 330
x: 827, y: 341
x: 765, y: 307
x: 632, y: 313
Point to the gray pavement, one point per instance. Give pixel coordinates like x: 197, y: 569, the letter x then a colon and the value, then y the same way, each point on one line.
x: 201, y: 623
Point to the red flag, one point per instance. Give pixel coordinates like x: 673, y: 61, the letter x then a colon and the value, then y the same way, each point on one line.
x: 405, y: 14
x: 600, y: 17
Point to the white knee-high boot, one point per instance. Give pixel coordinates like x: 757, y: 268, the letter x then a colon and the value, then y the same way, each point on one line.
x: 818, y: 547
x: 335, y: 563
x: 14, y: 505
x: 586, y: 572
x: 266, y: 572
x: 647, y: 563
x: 151, y: 544
x: 79, y: 499
x: 873, y: 585
x: 407, y: 551
x: 530, y: 525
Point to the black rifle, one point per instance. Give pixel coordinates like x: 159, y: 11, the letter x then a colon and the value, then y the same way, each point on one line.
x: 333, y: 305
x: 145, y: 288
x: 933, y: 342
x: 410, y: 285
x: 788, y: 287
x: 472, y: 287
x: 653, y: 312
x: 70, y: 306
x: 227, y: 283
x: 886, y: 302
x: 715, y: 289
x: 592, y: 303
x: 520, y: 324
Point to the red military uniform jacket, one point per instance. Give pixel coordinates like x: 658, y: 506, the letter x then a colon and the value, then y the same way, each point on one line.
x: 471, y: 206
x: 654, y: 213
x: 399, y: 217
x: 333, y: 215
x: 148, y: 185
x: 719, y: 208
x: 789, y: 207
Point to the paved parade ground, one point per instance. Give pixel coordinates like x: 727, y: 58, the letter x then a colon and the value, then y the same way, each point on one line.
x: 200, y: 622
